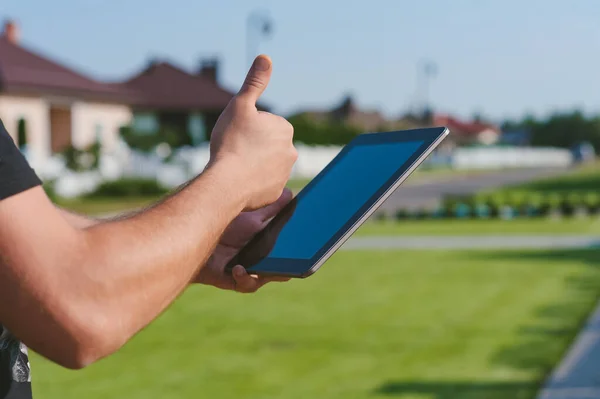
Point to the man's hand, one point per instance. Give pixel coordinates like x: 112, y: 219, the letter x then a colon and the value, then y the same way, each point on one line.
x: 239, y: 232
x: 256, y: 144
x: 76, y: 295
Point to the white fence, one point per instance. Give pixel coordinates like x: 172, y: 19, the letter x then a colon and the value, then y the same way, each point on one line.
x: 189, y: 162
x: 510, y: 157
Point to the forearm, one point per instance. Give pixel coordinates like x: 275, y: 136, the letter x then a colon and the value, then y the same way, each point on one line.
x: 90, y: 290
x: 142, y: 263
x: 78, y: 221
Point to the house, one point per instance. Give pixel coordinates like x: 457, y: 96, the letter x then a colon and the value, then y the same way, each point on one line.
x: 48, y: 107
x: 169, y: 97
x: 54, y: 105
x: 348, y: 113
x: 468, y: 133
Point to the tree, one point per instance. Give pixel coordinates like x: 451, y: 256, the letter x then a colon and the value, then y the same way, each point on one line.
x: 560, y: 129
x: 328, y: 132
x: 566, y: 130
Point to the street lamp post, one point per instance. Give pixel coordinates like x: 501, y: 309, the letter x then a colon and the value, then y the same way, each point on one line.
x: 258, y: 25
x: 427, y: 71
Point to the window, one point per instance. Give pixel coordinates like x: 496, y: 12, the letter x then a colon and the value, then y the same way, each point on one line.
x: 145, y: 122
x: 197, y: 128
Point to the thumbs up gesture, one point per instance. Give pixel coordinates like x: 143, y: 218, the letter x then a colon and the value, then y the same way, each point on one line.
x: 254, y: 146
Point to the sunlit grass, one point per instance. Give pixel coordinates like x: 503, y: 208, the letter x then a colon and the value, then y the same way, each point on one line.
x: 420, y: 325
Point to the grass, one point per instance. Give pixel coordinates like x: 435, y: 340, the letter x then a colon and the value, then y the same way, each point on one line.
x: 480, y: 227
x: 297, y: 184
x: 411, y: 325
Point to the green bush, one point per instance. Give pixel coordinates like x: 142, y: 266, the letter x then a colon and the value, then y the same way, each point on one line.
x: 147, y: 142
x: 50, y: 192
x: 380, y: 216
x: 571, y: 202
x: 440, y: 212
x: 482, y: 210
x: 419, y: 214
x: 401, y: 214
x: 522, y: 203
x: 592, y: 202
x: 73, y: 157
x: 533, y: 205
x: 496, y: 202
x: 128, y: 188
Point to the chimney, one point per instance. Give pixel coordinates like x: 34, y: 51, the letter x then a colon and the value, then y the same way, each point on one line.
x: 209, y: 68
x: 345, y: 109
x: 11, y: 31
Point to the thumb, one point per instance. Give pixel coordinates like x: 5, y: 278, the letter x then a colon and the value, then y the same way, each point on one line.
x: 257, y: 79
x: 270, y: 211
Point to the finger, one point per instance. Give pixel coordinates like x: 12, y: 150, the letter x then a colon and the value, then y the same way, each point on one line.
x: 244, y: 282
x: 265, y: 280
x: 257, y: 79
x: 270, y: 211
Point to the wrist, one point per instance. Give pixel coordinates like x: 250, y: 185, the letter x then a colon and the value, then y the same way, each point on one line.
x: 229, y: 174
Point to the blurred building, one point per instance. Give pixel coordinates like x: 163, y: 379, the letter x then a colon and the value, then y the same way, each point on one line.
x: 48, y: 106
x: 349, y: 113
x: 475, y: 133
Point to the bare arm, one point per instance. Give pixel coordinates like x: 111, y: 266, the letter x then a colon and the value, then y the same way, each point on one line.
x: 78, y: 295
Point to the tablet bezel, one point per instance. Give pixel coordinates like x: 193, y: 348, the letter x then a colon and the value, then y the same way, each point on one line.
x: 431, y: 138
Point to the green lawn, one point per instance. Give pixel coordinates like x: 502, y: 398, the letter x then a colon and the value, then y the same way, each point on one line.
x: 420, y: 325
x: 477, y: 227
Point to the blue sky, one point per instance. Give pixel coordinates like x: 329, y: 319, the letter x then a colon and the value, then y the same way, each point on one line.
x: 500, y: 58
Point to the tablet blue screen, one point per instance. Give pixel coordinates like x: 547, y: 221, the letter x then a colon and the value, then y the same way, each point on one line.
x: 338, y: 196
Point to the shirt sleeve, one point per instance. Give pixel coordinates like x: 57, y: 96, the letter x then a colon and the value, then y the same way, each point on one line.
x: 16, y: 175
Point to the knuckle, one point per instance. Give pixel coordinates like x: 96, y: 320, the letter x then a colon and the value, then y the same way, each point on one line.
x: 239, y: 104
x: 254, y: 81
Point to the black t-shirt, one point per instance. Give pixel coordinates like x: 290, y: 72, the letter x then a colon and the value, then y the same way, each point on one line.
x: 16, y: 176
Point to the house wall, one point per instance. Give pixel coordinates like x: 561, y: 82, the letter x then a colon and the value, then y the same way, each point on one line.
x: 103, y: 121
x: 36, y: 113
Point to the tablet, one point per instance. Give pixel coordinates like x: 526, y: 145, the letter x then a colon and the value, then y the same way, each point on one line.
x: 315, y: 224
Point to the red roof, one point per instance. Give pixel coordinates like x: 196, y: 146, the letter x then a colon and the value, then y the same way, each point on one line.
x: 22, y: 71
x: 462, y: 128
x: 160, y: 86
x: 165, y: 86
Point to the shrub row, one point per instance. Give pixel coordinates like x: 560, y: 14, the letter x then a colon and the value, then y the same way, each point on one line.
x: 524, y: 203
x: 507, y: 206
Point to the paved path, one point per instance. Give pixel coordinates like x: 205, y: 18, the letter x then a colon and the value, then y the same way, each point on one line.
x: 419, y: 194
x: 578, y: 375
x: 484, y: 242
